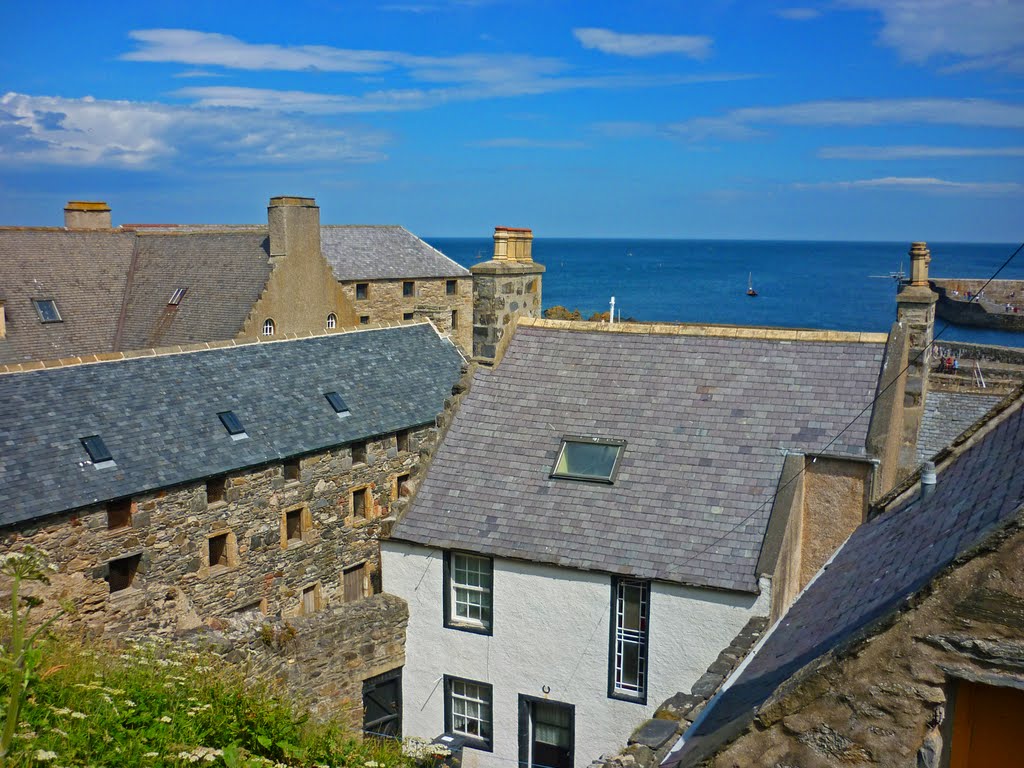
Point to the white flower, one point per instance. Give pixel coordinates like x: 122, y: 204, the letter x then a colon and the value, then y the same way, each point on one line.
x: 165, y: 719
x: 152, y: 754
x: 79, y: 715
x: 43, y: 755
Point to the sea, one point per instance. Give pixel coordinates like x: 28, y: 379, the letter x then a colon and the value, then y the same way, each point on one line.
x: 800, y: 284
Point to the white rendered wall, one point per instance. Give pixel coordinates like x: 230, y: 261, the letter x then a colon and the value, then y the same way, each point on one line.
x: 550, y: 629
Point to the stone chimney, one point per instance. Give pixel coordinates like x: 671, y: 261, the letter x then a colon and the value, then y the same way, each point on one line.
x: 915, y: 311
x: 294, y: 224
x: 506, y: 287
x: 81, y: 214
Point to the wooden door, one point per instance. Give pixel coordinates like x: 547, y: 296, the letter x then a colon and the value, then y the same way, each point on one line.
x: 988, y: 722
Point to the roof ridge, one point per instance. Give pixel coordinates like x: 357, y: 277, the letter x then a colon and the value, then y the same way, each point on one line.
x: 767, y: 333
x: 202, y: 346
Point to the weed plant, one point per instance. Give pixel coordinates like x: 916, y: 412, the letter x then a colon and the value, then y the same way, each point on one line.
x: 158, y: 705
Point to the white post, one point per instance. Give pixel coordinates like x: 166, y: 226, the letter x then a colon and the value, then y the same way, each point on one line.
x: 611, y: 314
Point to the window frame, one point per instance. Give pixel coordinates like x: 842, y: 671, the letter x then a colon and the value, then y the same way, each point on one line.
x: 305, y: 525
x: 37, y: 304
x: 614, y: 692
x: 332, y: 321
x: 451, y: 621
x: 451, y: 288
x: 176, y: 297
x: 567, y: 439
x: 365, y: 493
x: 364, y: 289
x: 408, y: 289
x: 483, y: 743
x: 271, y: 325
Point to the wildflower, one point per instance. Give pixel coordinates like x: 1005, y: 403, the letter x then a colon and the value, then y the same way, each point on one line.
x: 43, y: 755
x: 60, y: 710
x: 79, y: 715
x: 59, y: 732
x: 152, y: 754
x: 129, y: 703
x: 165, y: 719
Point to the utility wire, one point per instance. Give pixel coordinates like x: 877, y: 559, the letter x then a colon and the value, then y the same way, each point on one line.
x: 868, y: 407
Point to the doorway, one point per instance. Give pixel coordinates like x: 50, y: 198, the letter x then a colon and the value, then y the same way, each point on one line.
x: 547, y: 733
x: 382, y: 705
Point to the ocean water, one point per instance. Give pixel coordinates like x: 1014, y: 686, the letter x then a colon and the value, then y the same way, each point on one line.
x: 800, y: 284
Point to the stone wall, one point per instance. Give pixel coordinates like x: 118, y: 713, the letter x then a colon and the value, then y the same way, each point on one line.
x: 985, y: 353
x: 323, y: 659
x: 386, y: 302
x: 285, y: 534
x: 502, y: 291
x: 887, y: 700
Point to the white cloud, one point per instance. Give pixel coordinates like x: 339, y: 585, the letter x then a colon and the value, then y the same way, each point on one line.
x: 903, y: 152
x: 517, y: 142
x: 623, y: 44
x: 922, y: 184
x: 798, y: 14
x: 740, y: 123
x: 983, y: 33
x: 129, y: 134
x: 198, y: 73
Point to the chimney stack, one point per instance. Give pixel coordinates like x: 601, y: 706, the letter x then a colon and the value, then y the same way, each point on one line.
x: 915, y: 311
x: 82, y: 214
x: 294, y: 224
x: 927, y: 479
x: 506, y: 287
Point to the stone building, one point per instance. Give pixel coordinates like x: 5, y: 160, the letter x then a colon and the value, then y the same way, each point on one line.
x: 186, y: 487
x: 907, y: 648
x: 604, y: 517
x: 89, y: 287
x: 390, y: 275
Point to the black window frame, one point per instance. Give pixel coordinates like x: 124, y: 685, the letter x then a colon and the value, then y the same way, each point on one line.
x: 640, y: 698
x: 43, y: 314
x: 451, y: 288
x: 337, y: 403
x: 408, y: 315
x: 610, y: 480
x: 483, y: 744
x: 450, y: 621
x: 408, y: 289
x: 97, y: 450
x: 231, y: 423
x: 364, y: 290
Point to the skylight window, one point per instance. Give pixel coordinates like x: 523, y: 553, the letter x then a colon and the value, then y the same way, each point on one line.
x: 337, y: 403
x: 588, y: 458
x: 97, y: 450
x: 233, y: 425
x: 176, y: 297
x: 47, y: 309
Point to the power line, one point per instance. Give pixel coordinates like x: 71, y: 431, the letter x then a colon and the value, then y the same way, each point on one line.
x: 867, y: 408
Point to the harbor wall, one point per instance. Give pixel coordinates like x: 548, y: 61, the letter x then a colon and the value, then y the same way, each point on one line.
x: 958, y: 310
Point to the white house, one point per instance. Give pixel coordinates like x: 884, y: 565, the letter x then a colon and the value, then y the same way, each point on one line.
x: 587, y: 538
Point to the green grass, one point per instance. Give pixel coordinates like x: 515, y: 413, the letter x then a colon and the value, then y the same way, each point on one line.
x: 155, y: 705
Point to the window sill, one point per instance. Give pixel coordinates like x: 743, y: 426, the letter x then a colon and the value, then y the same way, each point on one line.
x: 630, y: 698
x: 216, y: 504
x: 218, y: 570
x: 476, y: 629
x: 458, y: 740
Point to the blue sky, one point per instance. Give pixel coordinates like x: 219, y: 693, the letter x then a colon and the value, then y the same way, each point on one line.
x: 846, y: 120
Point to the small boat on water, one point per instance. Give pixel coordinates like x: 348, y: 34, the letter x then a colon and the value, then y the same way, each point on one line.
x: 750, y: 285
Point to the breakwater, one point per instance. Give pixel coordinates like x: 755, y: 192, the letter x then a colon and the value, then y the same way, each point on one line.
x: 1001, y: 305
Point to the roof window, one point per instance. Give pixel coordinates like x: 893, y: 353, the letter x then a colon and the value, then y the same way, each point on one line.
x: 99, y: 455
x: 588, y: 458
x: 47, y: 309
x: 233, y: 425
x: 176, y: 297
x: 337, y: 403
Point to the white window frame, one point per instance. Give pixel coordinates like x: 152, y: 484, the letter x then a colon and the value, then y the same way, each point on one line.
x: 269, y: 327
x: 458, y: 592
x: 623, y: 637
x: 466, y: 702
x: 332, y: 321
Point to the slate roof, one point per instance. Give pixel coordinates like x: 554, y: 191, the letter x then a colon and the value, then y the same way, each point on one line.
x: 84, y: 272
x: 883, y: 564
x: 707, y: 421
x: 383, y: 253
x: 158, y: 415
x: 224, y: 272
x: 946, y: 416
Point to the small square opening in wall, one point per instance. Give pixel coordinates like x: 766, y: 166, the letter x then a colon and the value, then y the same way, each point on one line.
x: 451, y: 287
x: 362, y: 291
x: 362, y: 503
x: 310, y: 600
x: 119, y: 514
x: 364, y: 319
x: 359, y: 452
x: 408, y: 288
x: 408, y: 315
x: 402, y: 440
x: 218, y: 546
x: 402, y: 486
x: 216, y: 490
x: 121, y: 572
x: 293, y: 524
x: 455, y: 319
x: 292, y: 471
